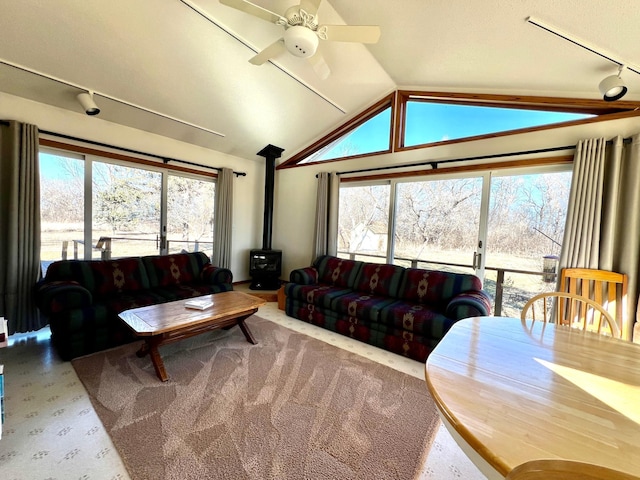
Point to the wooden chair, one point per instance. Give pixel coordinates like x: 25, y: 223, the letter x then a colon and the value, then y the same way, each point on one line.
x: 573, y: 310
x: 565, y: 470
x: 609, y: 289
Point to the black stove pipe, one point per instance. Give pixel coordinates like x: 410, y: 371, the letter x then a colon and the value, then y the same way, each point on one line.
x: 270, y: 153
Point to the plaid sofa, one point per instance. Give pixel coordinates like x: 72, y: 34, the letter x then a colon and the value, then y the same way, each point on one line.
x: 403, y: 310
x: 82, y: 298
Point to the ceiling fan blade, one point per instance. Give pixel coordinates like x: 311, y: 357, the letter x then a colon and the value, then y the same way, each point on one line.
x: 251, y: 9
x: 268, y: 53
x: 310, y: 6
x: 320, y: 66
x: 350, y: 33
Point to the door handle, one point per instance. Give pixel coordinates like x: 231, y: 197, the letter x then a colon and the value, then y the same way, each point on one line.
x: 477, y: 260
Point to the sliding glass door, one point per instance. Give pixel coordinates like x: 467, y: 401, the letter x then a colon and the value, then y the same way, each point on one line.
x: 506, y: 227
x: 190, y: 203
x: 526, y: 224
x: 94, y: 208
x: 437, y: 223
x: 126, y: 210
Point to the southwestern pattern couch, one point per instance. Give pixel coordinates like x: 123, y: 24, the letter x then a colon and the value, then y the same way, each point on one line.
x: 82, y: 298
x: 403, y: 310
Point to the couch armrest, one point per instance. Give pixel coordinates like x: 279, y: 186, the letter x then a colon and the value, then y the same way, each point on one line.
x: 213, y: 275
x: 55, y: 297
x: 304, y: 276
x: 476, y: 303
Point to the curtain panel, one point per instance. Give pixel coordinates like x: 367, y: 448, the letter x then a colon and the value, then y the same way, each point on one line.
x: 326, y: 220
x: 222, y: 235
x: 603, y: 219
x: 19, y: 226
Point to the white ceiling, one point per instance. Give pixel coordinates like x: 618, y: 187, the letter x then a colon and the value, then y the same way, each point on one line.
x: 187, y: 60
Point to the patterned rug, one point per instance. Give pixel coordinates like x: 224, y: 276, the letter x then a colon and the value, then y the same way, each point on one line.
x: 290, y: 407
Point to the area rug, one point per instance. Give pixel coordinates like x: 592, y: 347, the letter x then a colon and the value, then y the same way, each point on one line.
x: 290, y: 407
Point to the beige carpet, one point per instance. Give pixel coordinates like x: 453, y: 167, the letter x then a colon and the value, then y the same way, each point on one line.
x: 291, y: 407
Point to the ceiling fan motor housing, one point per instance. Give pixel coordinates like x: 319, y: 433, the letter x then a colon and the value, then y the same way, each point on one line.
x: 301, y: 41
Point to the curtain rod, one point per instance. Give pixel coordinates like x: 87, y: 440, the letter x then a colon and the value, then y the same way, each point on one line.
x: 137, y: 152
x: 434, y: 163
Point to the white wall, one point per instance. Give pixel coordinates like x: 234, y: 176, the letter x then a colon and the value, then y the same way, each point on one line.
x: 248, y: 191
x: 296, y: 187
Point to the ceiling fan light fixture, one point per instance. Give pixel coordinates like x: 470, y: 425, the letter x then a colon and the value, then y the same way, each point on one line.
x: 612, y: 87
x: 301, y: 41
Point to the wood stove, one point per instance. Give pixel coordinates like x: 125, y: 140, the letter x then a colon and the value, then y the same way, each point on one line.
x: 265, y: 264
x: 265, y: 267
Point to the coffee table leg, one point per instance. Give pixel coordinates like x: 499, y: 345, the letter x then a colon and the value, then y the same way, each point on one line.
x: 150, y: 346
x: 245, y: 329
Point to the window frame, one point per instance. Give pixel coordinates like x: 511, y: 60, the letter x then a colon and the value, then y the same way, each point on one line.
x: 602, y: 111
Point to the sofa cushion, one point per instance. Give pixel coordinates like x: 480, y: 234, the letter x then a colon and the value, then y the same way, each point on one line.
x: 321, y: 295
x: 175, y: 269
x: 435, y: 288
x: 101, y: 277
x: 337, y: 272
x: 379, y: 279
x: 118, y: 276
x: 416, y: 318
x: 357, y: 304
x: 119, y: 303
x: 394, y: 340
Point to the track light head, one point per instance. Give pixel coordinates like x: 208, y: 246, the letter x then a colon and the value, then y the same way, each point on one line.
x: 613, y: 88
x: 86, y: 100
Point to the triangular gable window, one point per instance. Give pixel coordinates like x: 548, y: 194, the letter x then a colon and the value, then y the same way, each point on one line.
x: 369, y: 137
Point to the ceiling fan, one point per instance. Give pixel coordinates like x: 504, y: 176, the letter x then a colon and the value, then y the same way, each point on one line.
x: 303, y: 32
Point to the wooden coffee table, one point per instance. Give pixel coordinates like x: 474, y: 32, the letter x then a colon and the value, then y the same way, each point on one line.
x: 169, y: 322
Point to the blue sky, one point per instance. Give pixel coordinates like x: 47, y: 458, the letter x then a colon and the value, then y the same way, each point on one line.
x: 434, y: 122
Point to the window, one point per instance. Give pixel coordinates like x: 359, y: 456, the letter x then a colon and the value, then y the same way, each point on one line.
x: 505, y: 226
x: 92, y: 207
x: 438, y: 220
x: 190, y: 214
x: 436, y: 122
x: 526, y: 222
x: 126, y: 209
x: 61, y: 207
x: 369, y: 137
x: 415, y: 119
x: 363, y: 222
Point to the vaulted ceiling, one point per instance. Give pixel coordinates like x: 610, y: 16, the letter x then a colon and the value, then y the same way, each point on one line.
x: 180, y: 68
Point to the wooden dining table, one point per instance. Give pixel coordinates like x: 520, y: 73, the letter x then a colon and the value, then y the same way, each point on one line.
x: 510, y: 391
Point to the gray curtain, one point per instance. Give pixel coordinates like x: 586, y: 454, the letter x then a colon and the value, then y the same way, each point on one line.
x: 19, y: 225
x: 326, y: 224
x: 222, y: 235
x: 603, y: 219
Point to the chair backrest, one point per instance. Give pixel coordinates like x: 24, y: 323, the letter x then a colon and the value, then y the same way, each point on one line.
x: 609, y: 289
x: 573, y: 310
x: 565, y: 470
